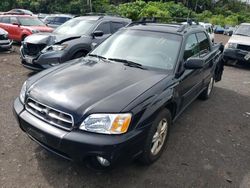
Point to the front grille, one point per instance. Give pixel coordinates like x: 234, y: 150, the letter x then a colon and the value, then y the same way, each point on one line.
x: 50, y: 115
x: 33, y: 49
x: 243, y: 47
x: 3, y: 37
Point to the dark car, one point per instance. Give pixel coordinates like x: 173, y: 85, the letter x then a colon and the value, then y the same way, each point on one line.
x: 218, y: 29
x: 118, y: 103
x: 5, y: 42
x: 56, y: 20
x: 71, y: 40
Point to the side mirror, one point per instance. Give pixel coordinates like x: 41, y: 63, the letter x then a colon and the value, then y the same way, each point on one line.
x: 194, y: 63
x: 97, y: 34
x: 16, y: 24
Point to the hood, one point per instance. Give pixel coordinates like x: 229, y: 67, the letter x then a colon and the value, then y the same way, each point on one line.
x: 39, y: 28
x: 49, y: 38
x: 238, y: 39
x: 87, y: 86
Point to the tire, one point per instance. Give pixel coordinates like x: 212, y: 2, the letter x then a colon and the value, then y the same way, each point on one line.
x: 23, y: 37
x: 79, y: 54
x: 150, y: 152
x: 207, y: 92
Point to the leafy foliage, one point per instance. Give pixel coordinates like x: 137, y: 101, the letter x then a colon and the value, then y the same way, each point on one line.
x: 223, y: 12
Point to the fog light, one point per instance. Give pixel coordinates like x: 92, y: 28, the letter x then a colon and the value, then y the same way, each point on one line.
x: 103, y: 161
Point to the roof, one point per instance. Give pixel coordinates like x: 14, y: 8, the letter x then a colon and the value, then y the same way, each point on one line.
x: 18, y: 15
x: 97, y: 17
x: 245, y: 24
x: 169, y: 28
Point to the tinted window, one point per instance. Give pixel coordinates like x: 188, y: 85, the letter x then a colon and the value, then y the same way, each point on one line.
x: 5, y: 20
x: 105, y: 27
x: 116, y: 26
x: 203, y: 42
x: 13, y: 20
x: 191, y: 47
x: 49, y: 20
x: 61, y: 20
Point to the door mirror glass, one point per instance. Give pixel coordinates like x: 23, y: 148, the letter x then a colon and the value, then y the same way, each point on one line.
x: 194, y: 63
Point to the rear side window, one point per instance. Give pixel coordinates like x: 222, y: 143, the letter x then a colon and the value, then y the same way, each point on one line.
x: 203, y: 43
x: 49, y: 20
x: 13, y: 20
x: 191, y: 47
x: 116, y: 26
x: 5, y: 20
x: 105, y: 27
x: 61, y: 20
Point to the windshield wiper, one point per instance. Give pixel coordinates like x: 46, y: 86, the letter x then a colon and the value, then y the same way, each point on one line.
x: 128, y: 63
x: 98, y: 56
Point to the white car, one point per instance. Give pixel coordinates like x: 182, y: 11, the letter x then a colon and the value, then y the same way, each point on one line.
x: 238, y: 47
x: 207, y: 26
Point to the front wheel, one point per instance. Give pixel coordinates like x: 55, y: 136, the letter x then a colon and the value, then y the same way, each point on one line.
x: 157, y: 137
x: 207, y: 92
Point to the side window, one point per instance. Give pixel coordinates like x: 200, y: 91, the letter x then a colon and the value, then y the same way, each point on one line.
x: 116, y: 26
x: 203, y: 43
x: 6, y: 20
x: 13, y: 20
x: 60, y: 20
x: 105, y: 27
x: 191, y: 47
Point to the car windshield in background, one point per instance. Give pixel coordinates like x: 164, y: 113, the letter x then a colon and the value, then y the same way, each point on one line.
x: 149, y: 49
x: 243, y: 30
x: 28, y: 21
x: 74, y: 27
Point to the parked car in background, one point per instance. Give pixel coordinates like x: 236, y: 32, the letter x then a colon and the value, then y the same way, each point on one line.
x: 207, y: 26
x: 237, y: 50
x: 71, y: 40
x: 20, y: 12
x: 5, y: 42
x: 229, y: 30
x: 56, y: 20
x: 119, y: 102
x: 41, y: 16
x: 21, y: 26
x: 218, y: 29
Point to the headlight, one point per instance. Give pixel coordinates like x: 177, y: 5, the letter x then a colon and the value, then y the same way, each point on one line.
x: 231, y: 45
x: 35, y: 31
x: 107, y: 123
x: 58, y: 47
x: 23, y: 92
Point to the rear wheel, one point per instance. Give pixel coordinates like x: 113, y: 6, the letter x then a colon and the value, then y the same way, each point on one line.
x: 157, y: 137
x: 207, y: 92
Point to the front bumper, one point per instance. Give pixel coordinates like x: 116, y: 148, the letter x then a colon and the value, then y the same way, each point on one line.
x: 236, y: 54
x: 42, y: 60
x: 6, y: 45
x: 78, y: 145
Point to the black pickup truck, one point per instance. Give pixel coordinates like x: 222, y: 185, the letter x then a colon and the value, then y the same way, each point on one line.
x: 118, y: 102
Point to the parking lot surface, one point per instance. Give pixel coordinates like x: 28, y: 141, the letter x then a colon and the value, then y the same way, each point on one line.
x: 209, y: 145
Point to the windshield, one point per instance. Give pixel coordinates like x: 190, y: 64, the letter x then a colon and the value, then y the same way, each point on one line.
x: 74, y: 27
x: 29, y: 21
x: 149, y: 49
x: 243, y: 30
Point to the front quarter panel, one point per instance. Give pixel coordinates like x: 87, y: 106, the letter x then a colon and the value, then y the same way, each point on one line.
x: 146, y: 107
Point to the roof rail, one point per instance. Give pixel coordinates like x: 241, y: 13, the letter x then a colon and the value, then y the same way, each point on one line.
x: 143, y: 21
x: 101, y: 14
